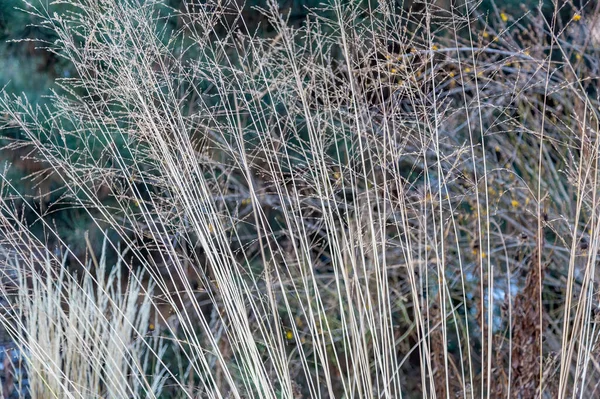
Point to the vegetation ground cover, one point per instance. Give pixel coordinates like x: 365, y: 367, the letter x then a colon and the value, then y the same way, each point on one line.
x: 358, y: 199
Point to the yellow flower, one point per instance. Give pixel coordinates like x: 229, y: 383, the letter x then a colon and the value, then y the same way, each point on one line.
x: 451, y: 74
x: 503, y: 17
x: 514, y: 203
x: 482, y: 254
x: 578, y: 57
x: 394, y: 70
x: 434, y: 47
x: 136, y: 203
x: 289, y: 335
x: 485, y: 34
x: 576, y: 17
x: 467, y: 70
x: 151, y: 327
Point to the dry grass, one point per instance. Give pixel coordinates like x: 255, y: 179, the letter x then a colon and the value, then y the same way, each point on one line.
x: 375, y: 204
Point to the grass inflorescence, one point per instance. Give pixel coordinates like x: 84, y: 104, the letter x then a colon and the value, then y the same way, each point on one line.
x: 375, y: 201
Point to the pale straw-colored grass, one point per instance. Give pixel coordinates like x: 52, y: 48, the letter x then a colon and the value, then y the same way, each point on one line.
x: 364, y: 206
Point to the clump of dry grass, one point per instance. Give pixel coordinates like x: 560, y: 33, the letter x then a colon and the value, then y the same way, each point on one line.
x: 362, y: 206
x: 77, y: 337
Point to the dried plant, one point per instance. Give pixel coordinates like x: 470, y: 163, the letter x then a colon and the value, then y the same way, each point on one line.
x: 372, y: 203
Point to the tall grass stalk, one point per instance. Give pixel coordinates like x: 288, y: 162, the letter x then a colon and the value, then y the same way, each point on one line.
x: 372, y: 203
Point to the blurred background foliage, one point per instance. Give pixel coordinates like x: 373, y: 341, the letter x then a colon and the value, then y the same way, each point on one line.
x: 30, y: 70
x: 27, y: 68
